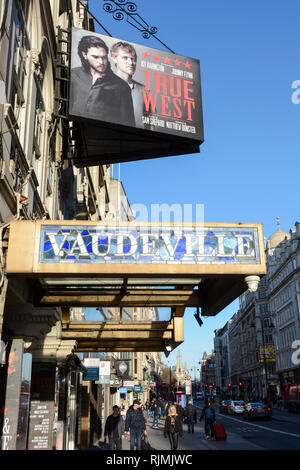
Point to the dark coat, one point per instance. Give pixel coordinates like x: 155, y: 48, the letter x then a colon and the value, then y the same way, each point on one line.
x: 108, y: 99
x: 135, y: 419
x: 177, y: 426
x: 155, y: 409
x: 180, y: 412
x: 203, y: 414
x: 111, y: 423
x: 190, y: 412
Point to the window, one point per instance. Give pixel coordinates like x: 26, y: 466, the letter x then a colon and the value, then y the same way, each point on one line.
x: 38, y: 123
x: 268, y: 339
x: 267, y: 322
x: 19, y: 56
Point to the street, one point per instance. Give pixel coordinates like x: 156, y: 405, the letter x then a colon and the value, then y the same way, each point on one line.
x: 281, y: 433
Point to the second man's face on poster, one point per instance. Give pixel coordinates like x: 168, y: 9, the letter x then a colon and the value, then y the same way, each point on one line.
x: 125, y: 62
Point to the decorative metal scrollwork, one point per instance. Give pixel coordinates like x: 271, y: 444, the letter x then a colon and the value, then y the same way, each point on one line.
x: 121, y: 8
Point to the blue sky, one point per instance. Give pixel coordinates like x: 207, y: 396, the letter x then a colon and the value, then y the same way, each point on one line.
x: 248, y: 168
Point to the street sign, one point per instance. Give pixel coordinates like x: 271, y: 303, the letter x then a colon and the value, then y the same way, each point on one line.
x: 123, y: 389
x: 137, y: 389
x: 91, y: 373
x: 103, y: 380
x: 104, y: 368
x: 128, y: 383
x: 91, y: 362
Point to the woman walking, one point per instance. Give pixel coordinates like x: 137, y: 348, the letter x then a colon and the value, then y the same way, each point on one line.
x: 173, y: 427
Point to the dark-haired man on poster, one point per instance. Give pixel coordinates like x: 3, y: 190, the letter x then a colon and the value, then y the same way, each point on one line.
x: 96, y: 92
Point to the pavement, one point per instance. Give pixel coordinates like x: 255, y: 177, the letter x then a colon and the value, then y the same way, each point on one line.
x: 196, y: 441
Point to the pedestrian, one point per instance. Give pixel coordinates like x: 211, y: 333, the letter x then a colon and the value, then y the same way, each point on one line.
x: 159, y: 405
x: 173, y: 427
x: 114, y: 429
x: 180, y: 411
x: 135, y: 425
x: 163, y: 407
x: 155, y: 415
x: 190, y: 414
x: 208, y: 413
x: 148, y: 407
x: 123, y: 413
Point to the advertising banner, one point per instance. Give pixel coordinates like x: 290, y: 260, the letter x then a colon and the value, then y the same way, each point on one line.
x: 152, y: 92
x: 42, y: 406
x: 267, y: 354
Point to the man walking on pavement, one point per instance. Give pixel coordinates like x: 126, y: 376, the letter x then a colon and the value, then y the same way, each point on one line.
x: 208, y: 413
x: 190, y: 413
x: 180, y: 411
x: 114, y: 429
x: 155, y: 410
x: 135, y: 425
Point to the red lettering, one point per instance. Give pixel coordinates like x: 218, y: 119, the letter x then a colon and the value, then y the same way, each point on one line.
x: 149, y: 100
x: 165, y: 105
x: 178, y: 86
x: 189, y: 104
x: 161, y: 84
x: 187, y: 90
x: 177, y: 103
x: 147, y: 79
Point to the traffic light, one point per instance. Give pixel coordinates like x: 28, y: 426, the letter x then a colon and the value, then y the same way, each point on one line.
x: 229, y: 385
x: 240, y: 384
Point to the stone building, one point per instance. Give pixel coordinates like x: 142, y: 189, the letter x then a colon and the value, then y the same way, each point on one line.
x: 222, y: 358
x: 39, y: 181
x: 263, y: 333
x: 283, y: 258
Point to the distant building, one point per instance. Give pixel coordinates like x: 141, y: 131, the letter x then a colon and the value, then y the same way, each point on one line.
x: 262, y: 334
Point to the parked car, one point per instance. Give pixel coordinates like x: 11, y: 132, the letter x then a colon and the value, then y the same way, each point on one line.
x: 257, y: 410
x: 223, y: 406
x: 236, y: 407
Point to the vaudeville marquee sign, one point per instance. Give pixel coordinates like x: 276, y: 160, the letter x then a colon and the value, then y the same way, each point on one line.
x: 86, y: 247
x: 85, y: 263
x: 131, y: 102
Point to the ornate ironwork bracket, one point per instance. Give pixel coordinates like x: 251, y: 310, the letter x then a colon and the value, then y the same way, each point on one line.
x: 120, y: 9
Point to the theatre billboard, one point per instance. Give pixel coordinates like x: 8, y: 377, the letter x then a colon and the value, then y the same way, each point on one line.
x: 129, y: 101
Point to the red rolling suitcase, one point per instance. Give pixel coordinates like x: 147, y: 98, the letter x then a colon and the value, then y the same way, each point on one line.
x: 220, y: 433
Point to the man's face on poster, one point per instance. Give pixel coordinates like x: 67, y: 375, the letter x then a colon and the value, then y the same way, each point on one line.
x: 97, y: 59
x: 125, y: 61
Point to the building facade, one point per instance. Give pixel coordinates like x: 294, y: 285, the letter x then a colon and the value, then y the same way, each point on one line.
x: 39, y: 181
x: 263, y: 334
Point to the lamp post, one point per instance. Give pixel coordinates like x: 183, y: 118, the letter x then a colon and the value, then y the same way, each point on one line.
x: 264, y: 357
x: 194, y: 368
x: 267, y: 385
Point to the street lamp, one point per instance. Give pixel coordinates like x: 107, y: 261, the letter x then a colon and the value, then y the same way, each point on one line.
x: 264, y: 356
x: 194, y: 368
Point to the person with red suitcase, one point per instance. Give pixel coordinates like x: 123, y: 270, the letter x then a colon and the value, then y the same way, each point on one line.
x: 208, y: 413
